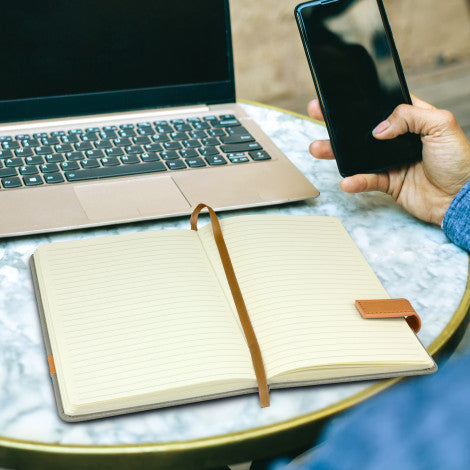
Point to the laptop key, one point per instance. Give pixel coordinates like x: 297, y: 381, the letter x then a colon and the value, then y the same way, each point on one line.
x: 149, y: 157
x: 11, y: 145
x: 226, y: 123
x: 49, y: 168
x: 8, y: 172
x: 90, y: 164
x: 130, y: 159
x: 28, y: 170
x: 126, y: 126
x: 37, y: 160
x: 176, y: 165
x: 238, y: 157
x: 8, y: 183
x: 26, y: 152
x: 198, y: 134
x: 144, y: 131
x: 195, y: 162
x: 170, y: 155
x: 114, y: 152
x: 69, y: 166
x: 5, y: 154
x: 109, y: 172
x: 110, y: 161
x: 245, y: 147
x: 127, y: 133
x: 32, y: 180
x: 134, y: 150
x: 39, y: 135
x: 62, y: 148
x: 153, y: 147
x: 207, y: 151
x: 179, y: 135
x: 216, y: 132
x: 172, y: 145
x: 216, y: 160
x: 201, y: 125
x: 71, y: 139
x: 94, y: 154
x: 30, y: 143
x: 142, y: 140
x: 160, y: 138
x: 54, y: 158
x: 54, y: 178
x: 193, y: 143
x: 14, y: 162
x: 125, y: 142
x: 43, y: 150
x: 210, y: 141
x: 236, y: 130
x: 103, y: 144
x: 164, y: 129
x: 260, y: 155
x: 188, y: 153
x: 73, y: 156
x: 50, y: 141
x: 82, y: 146
x: 237, y: 139
x: 183, y: 127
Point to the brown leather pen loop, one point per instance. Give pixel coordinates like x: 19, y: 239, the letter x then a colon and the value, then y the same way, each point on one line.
x: 250, y: 336
x: 390, y: 308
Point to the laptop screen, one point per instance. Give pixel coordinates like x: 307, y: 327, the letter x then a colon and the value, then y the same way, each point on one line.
x: 139, y: 53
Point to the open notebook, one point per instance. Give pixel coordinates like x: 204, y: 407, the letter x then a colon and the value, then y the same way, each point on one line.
x: 147, y: 319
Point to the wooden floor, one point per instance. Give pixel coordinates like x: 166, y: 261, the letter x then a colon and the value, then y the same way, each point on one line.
x: 447, y: 88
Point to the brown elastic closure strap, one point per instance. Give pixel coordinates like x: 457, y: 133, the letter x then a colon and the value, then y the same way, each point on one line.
x: 390, y: 308
x: 250, y: 336
x: 50, y: 360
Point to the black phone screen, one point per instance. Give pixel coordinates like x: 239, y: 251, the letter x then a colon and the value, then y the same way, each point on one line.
x: 359, y: 80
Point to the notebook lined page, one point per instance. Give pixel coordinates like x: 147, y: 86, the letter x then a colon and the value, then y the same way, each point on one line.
x: 132, y: 314
x: 300, y: 277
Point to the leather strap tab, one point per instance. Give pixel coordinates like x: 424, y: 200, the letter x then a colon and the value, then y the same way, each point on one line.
x: 390, y: 308
x: 50, y: 360
x: 250, y: 336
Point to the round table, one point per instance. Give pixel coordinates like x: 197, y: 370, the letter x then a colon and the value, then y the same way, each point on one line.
x: 412, y: 259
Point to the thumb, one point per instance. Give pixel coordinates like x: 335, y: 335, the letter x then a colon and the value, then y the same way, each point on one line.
x: 407, y: 118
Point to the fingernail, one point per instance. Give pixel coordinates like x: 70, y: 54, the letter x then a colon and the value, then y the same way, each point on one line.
x: 382, y: 127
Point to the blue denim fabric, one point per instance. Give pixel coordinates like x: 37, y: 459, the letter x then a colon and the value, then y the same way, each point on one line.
x: 422, y: 424
x: 456, y: 224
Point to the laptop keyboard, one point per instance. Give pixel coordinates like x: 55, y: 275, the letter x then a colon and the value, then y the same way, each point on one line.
x: 128, y: 149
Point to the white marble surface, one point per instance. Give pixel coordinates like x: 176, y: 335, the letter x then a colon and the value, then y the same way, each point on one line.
x: 412, y: 259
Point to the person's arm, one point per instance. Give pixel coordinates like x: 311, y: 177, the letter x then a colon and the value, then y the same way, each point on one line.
x: 456, y: 224
x: 425, y: 189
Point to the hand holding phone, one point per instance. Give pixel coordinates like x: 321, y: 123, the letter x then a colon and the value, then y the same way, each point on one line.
x: 425, y: 188
x: 359, y: 81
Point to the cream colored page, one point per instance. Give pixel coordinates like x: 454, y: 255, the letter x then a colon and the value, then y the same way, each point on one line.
x: 300, y: 277
x: 132, y: 314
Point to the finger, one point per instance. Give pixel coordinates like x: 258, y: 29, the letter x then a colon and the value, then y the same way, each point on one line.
x: 322, y: 149
x: 314, y: 110
x: 420, y: 103
x: 366, y: 183
x: 407, y: 118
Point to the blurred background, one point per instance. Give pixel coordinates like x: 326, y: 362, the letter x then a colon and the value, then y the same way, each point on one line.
x: 432, y: 37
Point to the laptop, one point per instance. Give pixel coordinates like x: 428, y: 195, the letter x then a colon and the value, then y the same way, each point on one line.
x: 114, y: 111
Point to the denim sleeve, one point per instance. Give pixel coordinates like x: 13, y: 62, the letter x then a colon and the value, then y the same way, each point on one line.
x: 456, y: 224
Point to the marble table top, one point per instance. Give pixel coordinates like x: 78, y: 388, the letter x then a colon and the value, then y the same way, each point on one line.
x: 412, y: 259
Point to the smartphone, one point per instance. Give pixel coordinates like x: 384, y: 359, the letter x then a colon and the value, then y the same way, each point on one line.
x: 359, y: 81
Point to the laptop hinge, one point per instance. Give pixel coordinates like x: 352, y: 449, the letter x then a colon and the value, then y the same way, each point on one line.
x: 97, y: 118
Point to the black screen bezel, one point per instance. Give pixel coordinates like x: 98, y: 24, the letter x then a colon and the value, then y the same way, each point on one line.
x: 342, y: 163
x: 126, y: 100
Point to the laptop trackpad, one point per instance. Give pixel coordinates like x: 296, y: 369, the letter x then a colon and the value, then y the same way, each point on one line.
x: 120, y: 200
